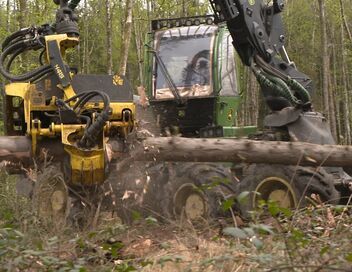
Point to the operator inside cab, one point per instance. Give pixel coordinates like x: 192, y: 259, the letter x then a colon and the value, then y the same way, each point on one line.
x: 187, y: 54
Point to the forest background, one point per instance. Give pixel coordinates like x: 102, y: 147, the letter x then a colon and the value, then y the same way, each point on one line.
x: 319, y: 41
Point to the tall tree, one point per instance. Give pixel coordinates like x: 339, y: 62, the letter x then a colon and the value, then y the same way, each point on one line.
x: 126, y: 38
x: 8, y: 17
x: 22, y: 13
x: 347, y: 134
x: 344, y: 20
x: 108, y: 22
x: 325, y: 67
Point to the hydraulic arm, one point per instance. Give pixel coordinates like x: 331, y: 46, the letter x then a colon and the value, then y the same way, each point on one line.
x: 258, y: 36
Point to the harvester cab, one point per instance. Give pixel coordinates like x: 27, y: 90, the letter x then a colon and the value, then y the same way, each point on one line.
x: 191, y: 78
x: 71, y: 115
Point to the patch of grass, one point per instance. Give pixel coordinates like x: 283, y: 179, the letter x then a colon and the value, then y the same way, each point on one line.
x: 314, y: 239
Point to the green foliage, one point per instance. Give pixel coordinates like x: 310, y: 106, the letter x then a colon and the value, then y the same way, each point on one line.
x: 12, y: 206
x: 16, y: 254
x: 176, y: 258
x: 235, y: 232
x: 250, y: 234
x: 151, y: 220
x: 349, y: 257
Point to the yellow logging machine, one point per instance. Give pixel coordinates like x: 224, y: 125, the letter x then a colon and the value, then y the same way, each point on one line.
x: 71, y: 115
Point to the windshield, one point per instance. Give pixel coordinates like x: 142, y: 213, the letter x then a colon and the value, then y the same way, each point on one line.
x: 187, y: 54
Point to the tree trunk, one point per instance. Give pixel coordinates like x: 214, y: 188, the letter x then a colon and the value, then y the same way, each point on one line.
x: 325, y: 59
x: 108, y: 25
x: 343, y: 16
x: 239, y: 151
x: 332, y: 110
x: 337, y: 94
x: 126, y: 38
x: 85, y: 39
x: 22, y: 16
x: 184, y: 10
x: 332, y: 97
x: 8, y: 16
x: 139, y: 46
x: 253, y: 99
x: 347, y: 134
x: 22, y: 13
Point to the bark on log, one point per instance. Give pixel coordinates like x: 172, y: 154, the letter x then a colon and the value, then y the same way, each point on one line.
x: 17, y: 149
x: 238, y: 151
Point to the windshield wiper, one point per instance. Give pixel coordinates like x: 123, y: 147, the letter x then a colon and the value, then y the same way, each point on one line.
x: 172, y: 86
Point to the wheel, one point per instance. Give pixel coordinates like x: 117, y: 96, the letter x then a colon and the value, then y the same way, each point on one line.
x: 50, y: 194
x: 172, y: 191
x: 195, y: 191
x: 289, y: 186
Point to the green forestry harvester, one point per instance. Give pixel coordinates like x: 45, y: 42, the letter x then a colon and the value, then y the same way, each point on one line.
x: 193, y: 89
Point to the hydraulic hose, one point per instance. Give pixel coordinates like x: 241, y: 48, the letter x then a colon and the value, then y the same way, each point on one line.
x: 93, y: 130
x: 284, y: 90
x: 12, y: 58
x: 14, y: 50
x: 292, y: 83
x: 18, y: 34
x: 276, y: 85
x: 86, y: 96
x: 41, y: 57
x: 76, y: 97
x: 85, y: 99
x: 302, y: 92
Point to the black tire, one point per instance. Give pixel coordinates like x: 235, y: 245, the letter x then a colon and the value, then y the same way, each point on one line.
x: 196, y: 190
x: 263, y: 181
x: 154, y: 193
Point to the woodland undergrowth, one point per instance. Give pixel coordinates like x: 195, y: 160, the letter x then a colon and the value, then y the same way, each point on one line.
x: 317, y: 238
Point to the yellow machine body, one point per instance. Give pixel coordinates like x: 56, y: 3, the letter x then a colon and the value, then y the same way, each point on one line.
x: 87, y: 165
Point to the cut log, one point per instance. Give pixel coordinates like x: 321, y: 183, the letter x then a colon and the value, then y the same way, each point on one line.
x: 17, y: 149
x: 239, y: 151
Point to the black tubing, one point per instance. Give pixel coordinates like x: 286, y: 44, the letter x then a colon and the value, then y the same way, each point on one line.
x: 12, y: 58
x: 18, y: 34
x: 18, y: 48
